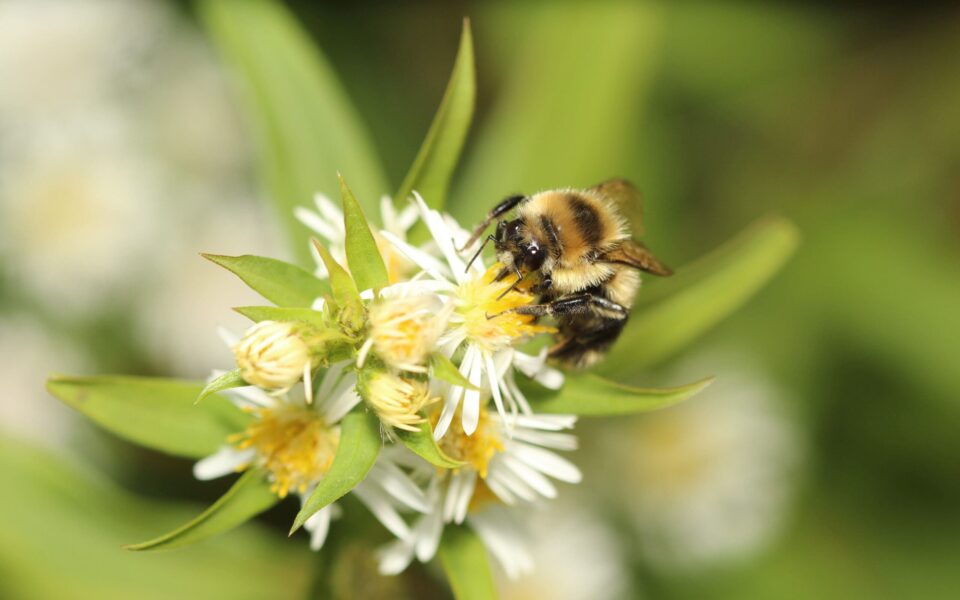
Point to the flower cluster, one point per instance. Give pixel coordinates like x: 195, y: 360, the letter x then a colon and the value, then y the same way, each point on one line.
x: 435, y: 358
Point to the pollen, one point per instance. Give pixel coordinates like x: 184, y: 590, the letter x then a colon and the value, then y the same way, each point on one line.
x: 293, y: 443
x: 477, y: 449
x: 486, y: 315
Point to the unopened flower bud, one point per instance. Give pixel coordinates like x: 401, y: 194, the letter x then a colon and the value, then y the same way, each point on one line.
x: 398, y: 400
x: 273, y: 356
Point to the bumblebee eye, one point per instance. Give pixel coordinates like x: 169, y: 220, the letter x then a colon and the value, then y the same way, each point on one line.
x: 533, y: 256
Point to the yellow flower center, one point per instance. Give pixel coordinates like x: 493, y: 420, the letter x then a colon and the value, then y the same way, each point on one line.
x: 479, y: 298
x: 293, y: 443
x: 398, y: 401
x: 477, y: 449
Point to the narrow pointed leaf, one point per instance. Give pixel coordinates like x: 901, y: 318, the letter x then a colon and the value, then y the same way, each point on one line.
x: 466, y: 564
x: 157, y: 413
x: 344, y: 289
x: 422, y: 443
x: 675, y: 311
x: 442, y: 368
x: 247, y: 498
x: 277, y: 281
x: 589, y: 395
x: 230, y: 379
x: 307, y: 129
x: 283, y: 313
x: 359, y: 446
x: 363, y: 256
x: 434, y: 164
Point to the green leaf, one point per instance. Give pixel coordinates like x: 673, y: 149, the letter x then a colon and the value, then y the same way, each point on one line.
x: 442, y: 368
x: 247, y: 498
x: 307, y: 129
x: 283, y: 313
x: 344, y: 289
x: 565, y: 112
x: 230, y: 379
x: 71, y: 520
x: 359, y: 446
x: 422, y: 443
x: 589, y: 395
x: 157, y: 413
x: 434, y: 165
x: 466, y: 564
x: 363, y: 256
x: 678, y: 309
x: 277, y: 281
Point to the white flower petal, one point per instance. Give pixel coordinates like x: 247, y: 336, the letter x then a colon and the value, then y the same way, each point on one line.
x: 395, y: 557
x: 398, y: 485
x: 547, y: 462
x: 528, y: 475
x: 224, y: 461
x: 502, y: 538
x: 429, y: 530
x: 466, y: 494
x: 319, y: 525
x: 378, y: 503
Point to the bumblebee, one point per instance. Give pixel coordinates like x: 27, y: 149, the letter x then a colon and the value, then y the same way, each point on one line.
x: 578, y: 249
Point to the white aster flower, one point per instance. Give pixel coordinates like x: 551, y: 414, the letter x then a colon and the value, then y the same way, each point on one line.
x: 327, y: 222
x: 403, y: 329
x: 399, y: 400
x: 577, y: 557
x: 499, y: 471
x: 489, y: 358
x: 296, y: 442
x: 710, y: 480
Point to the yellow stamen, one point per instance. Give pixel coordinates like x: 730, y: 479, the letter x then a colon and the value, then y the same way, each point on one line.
x: 476, y: 450
x: 403, y: 330
x: 478, y: 299
x: 293, y: 443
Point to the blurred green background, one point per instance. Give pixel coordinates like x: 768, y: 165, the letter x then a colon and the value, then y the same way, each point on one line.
x: 824, y: 463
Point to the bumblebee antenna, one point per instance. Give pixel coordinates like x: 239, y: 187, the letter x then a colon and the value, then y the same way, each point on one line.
x: 515, y: 283
x: 476, y: 255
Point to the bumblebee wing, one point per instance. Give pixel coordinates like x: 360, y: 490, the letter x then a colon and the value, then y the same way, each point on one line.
x: 636, y: 255
x: 626, y: 198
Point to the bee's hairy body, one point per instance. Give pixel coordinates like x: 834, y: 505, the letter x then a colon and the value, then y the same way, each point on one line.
x: 579, y: 246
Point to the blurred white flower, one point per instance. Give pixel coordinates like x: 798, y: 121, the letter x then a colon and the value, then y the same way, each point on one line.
x: 710, y: 480
x: 577, y: 557
x: 80, y: 214
x: 60, y: 56
x: 30, y: 354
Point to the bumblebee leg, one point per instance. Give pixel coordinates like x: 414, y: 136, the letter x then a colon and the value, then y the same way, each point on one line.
x: 574, y: 304
x: 505, y: 206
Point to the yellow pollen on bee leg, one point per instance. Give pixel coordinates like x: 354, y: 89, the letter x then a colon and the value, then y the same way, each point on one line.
x: 293, y: 443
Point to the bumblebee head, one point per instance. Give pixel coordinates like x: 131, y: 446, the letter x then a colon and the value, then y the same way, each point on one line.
x: 517, y: 248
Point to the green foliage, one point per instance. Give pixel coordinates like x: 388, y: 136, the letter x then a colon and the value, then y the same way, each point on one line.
x: 160, y: 414
x: 277, y: 281
x: 589, y: 395
x: 359, y: 446
x: 230, y: 379
x: 249, y: 496
x: 678, y: 309
x: 466, y: 565
x: 67, y: 525
x: 439, y: 154
x: 283, y: 313
x: 305, y: 123
x: 422, y: 443
x: 568, y: 112
x: 344, y: 289
x: 363, y: 256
